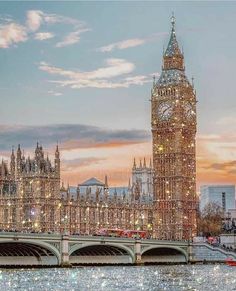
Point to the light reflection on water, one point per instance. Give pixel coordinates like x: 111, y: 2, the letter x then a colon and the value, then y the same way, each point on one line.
x: 178, y: 277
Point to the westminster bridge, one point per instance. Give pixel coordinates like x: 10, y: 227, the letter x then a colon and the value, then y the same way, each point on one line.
x: 31, y: 249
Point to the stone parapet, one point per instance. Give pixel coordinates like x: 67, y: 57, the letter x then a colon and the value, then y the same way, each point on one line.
x: 203, y: 252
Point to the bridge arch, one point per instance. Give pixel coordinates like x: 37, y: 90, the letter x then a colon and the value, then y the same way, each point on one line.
x: 164, y: 254
x: 97, y: 253
x: 28, y: 253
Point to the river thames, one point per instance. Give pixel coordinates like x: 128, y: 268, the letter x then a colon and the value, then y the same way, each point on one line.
x: 174, y: 277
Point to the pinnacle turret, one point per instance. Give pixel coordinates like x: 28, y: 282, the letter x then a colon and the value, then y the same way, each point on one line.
x: 18, y: 151
x: 13, y: 155
x: 144, y: 163
x: 57, y: 153
x: 173, y: 62
x: 173, y: 46
x: 3, y: 169
x: 57, y: 161
x: 13, y: 163
x: 106, y: 182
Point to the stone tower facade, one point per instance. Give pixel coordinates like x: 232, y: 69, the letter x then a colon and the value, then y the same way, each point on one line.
x: 174, y: 155
x: 30, y: 192
x: 142, y: 177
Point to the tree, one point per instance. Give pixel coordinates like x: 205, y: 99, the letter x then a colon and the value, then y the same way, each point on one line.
x: 210, y: 220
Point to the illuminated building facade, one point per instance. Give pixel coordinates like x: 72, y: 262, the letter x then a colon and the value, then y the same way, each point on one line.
x: 31, y: 199
x: 174, y: 154
x: 94, y: 205
x: 29, y: 192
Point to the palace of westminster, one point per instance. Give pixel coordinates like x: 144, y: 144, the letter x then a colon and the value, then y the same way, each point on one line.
x: 161, y: 198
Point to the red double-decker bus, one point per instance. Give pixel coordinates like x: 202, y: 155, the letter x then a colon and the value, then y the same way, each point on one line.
x: 122, y: 233
x: 134, y: 233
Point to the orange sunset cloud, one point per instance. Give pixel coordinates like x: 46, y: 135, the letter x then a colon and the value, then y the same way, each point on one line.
x: 216, y: 160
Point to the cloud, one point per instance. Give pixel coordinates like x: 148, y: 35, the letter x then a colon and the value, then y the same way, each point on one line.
x: 98, y: 78
x: 77, y: 164
x: 223, y: 166
x: 90, y: 143
x: 114, y: 68
x: 51, y: 92
x: 43, y: 35
x: 69, y: 136
x: 122, y: 44
x: 55, y: 18
x: 228, y: 120
x: 85, y: 150
x: 34, y: 19
x: 72, y: 38
x: 11, y: 34
x: 132, y: 42
x: 216, y: 158
x: 209, y: 137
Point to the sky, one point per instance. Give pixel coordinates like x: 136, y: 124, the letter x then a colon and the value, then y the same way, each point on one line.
x: 80, y: 74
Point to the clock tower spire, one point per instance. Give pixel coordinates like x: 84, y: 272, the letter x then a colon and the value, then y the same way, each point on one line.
x: 174, y: 155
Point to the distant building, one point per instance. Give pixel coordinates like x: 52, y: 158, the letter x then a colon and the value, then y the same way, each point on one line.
x: 142, y: 178
x: 223, y: 195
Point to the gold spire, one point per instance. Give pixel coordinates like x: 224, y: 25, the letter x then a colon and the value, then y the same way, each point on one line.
x: 173, y: 22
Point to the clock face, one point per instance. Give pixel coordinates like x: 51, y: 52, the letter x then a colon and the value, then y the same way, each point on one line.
x: 189, y: 110
x: 164, y: 111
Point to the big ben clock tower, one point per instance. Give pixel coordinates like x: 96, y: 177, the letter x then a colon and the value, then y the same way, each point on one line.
x: 174, y: 153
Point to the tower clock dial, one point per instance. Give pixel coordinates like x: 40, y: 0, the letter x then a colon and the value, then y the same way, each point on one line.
x: 164, y: 111
x: 189, y: 110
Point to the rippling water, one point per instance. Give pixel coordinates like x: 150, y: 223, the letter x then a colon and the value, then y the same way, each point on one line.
x: 179, y: 277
